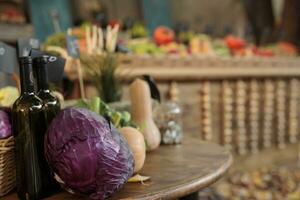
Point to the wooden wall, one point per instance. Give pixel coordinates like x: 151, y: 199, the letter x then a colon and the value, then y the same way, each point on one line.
x: 218, y: 13
x: 41, y: 18
x: 117, y: 9
x: 197, y: 13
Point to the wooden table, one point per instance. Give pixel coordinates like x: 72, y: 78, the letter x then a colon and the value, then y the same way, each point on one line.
x: 175, y: 171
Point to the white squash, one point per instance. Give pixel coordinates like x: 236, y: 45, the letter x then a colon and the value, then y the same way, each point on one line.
x: 136, y: 142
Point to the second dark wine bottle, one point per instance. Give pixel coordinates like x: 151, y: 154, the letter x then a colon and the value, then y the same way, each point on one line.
x: 51, y: 108
x: 50, y: 102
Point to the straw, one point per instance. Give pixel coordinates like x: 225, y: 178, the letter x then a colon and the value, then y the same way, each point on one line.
x: 7, y: 166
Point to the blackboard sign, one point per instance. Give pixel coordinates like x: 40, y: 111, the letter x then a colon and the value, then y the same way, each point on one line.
x: 55, y: 65
x: 8, y: 58
x: 72, y: 46
x: 26, y: 44
x: 34, y: 53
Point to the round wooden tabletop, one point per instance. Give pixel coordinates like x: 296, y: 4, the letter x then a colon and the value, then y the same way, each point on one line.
x: 175, y: 171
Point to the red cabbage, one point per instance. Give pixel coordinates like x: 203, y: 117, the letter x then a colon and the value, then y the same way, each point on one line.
x: 5, y: 126
x: 87, y: 154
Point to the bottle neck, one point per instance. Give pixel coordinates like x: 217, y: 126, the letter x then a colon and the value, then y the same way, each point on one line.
x: 26, y: 78
x: 42, y: 77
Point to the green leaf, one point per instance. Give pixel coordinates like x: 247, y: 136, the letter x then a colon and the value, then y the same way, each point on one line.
x: 103, y: 108
x: 82, y: 104
x: 95, y: 105
x: 116, y: 117
x: 126, y: 116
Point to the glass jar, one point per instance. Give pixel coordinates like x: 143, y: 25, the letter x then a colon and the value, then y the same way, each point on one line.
x: 167, y: 117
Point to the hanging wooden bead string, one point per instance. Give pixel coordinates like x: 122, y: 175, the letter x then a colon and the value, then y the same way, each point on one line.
x: 268, y: 112
x: 241, y: 98
x: 254, y: 115
x: 280, y: 111
x: 293, y: 110
x: 205, y: 106
x: 227, y: 118
x: 173, y: 92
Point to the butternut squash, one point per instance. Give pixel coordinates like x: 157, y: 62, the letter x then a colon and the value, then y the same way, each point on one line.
x: 136, y: 142
x: 141, y: 111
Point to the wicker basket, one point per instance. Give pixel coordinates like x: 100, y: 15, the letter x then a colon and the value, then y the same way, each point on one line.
x: 7, y: 166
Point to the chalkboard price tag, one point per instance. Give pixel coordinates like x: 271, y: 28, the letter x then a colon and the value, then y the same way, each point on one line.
x: 26, y: 44
x: 34, y: 53
x: 55, y: 66
x: 72, y: 46
x: 8, y: 58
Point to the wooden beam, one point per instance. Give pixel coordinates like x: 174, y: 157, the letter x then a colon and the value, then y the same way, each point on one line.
x: 189, y: 69
x: 195, y: 74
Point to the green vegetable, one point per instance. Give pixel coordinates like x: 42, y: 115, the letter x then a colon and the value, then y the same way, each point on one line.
x: 57, y: 39
x: 82, y: 104
x: 103, y: 107
x: 95, y: 104
x: 138, y: 31
x: 118, y: 119
x: 126, y: 116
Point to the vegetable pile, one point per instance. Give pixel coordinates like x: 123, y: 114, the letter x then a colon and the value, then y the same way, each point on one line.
x: 121, y: 120
x: 87, y: 153
x: 118, y: 119
x: 8, y: 95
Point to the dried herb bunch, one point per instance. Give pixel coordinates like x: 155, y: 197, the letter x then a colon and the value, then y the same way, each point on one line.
x: 102, y: 70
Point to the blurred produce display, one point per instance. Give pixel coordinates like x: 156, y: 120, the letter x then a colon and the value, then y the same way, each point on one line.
x: 11, y: 12
x: 58, y: 39
x: 8, y: 95
x: 138, y: 30
x: 262, y: 184
x: 12, y: 16
x: 165, y: 41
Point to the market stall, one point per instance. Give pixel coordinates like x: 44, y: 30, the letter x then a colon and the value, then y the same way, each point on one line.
x: 107, y: 100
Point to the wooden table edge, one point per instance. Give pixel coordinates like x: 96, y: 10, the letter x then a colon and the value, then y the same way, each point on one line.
x: 188, y: 187
x: 184, y: 187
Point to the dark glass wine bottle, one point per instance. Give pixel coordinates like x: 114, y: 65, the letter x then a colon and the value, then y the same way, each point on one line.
x: 28, y: 128
x: 50, y: 102
x: 51, y: 108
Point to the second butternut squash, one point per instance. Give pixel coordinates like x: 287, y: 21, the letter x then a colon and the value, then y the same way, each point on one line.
x: 141, y: 110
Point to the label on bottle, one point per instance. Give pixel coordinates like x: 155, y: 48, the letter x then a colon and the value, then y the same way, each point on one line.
x: 8, y: 58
